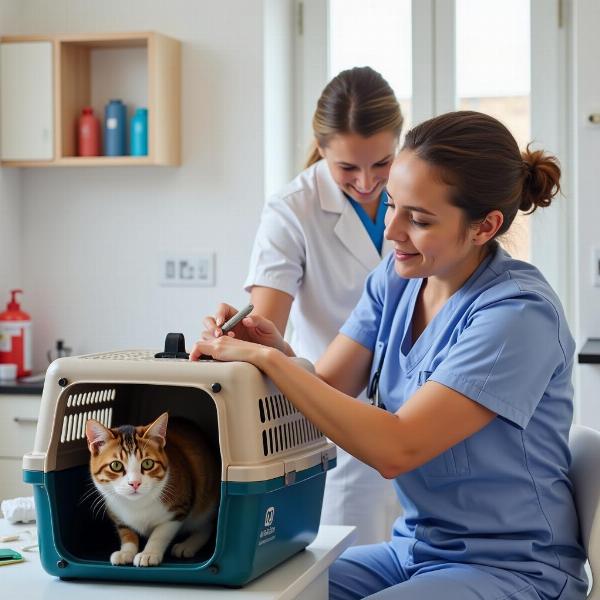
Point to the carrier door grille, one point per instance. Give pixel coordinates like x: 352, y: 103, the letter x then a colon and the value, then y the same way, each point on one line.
x: 96, y: 404
x: 284, y: 427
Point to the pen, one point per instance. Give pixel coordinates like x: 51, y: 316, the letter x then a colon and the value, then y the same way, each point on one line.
x: 229, y: 325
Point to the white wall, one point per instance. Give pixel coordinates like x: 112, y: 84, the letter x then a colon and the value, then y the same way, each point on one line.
x: 10, y: 234
x: 85, y: 243
x: 586, y: 100
x: 10, y: 198
x: 280, y: 21
x: 92, y: 237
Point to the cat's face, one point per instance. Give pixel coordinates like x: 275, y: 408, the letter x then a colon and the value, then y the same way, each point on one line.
x: 127, y: 461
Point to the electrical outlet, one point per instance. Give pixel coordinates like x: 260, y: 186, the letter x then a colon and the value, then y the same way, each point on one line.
x: 596, y: 267
x: 194, y: 270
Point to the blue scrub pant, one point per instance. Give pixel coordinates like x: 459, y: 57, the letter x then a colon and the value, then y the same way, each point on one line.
x: 375, y: 572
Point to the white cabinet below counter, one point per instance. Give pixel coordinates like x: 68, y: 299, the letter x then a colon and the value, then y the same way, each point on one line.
x: 18, y: 422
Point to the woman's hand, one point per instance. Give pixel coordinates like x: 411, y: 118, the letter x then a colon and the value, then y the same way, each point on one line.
x: 212, y: 325
x: 252, y: 328
x: 228, y: 349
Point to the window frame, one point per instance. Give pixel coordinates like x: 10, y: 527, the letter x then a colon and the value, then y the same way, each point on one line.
x: 434, y: 92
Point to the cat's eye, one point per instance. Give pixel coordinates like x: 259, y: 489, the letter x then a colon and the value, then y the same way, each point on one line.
x: 147, y: 463
x: 116, y: 466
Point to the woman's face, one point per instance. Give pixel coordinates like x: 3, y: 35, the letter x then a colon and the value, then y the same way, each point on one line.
x: 429, y: 234
x: 360, y: 165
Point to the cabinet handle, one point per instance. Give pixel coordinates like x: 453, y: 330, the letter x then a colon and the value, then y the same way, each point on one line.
x: 25, y: 420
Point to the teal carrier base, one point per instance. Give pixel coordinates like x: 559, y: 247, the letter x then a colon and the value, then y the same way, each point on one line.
x: 273, y: 464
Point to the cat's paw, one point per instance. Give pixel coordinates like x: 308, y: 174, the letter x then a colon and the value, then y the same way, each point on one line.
x: 147, y: 559
x: 184, y: 550
x: 122, y: 557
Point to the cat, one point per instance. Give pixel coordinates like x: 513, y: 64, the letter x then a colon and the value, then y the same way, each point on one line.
x: 155, y: 484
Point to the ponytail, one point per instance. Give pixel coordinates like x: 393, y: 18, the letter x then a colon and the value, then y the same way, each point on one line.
x: 541, y: 182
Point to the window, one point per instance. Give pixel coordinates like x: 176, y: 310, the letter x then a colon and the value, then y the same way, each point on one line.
x: 377, y: 34
x: 505, y: 57
x: 493, y: 76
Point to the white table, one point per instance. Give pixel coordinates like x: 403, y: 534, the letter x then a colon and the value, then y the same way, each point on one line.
x: 302, y: 577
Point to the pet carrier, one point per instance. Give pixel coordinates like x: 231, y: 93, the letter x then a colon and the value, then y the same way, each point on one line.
x: 273, y: 463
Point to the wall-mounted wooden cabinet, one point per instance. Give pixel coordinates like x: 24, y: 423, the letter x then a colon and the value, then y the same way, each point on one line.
x: 46, y: 81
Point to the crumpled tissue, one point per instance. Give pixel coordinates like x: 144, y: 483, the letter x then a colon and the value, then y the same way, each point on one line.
x: 17, y: 510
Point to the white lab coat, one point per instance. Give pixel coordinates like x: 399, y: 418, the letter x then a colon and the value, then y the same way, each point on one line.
x: 312, y: 245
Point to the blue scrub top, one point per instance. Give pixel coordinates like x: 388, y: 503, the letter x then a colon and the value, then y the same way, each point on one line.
x: 502, y: 496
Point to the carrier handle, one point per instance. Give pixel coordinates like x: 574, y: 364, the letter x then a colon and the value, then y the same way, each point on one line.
x: 175, y: 348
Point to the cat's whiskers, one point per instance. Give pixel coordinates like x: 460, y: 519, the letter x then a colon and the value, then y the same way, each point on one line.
x: 168, y: 493
x: 168, y: 497
x: 96, y: 498
x: 100, y: 506
x: 97, y: 507
x: 89, y: 493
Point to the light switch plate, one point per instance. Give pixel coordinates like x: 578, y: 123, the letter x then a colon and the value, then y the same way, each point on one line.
x: 188, y: 270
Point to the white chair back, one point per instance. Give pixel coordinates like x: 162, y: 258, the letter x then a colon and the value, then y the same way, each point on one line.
x: 585, y: 475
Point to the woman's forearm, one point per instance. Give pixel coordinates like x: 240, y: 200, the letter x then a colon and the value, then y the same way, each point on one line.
x: 370, y: 434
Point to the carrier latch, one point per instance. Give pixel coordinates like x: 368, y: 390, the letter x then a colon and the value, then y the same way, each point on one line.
x: 324, y: 461
x: 290, y: 478
x: 174, y: 347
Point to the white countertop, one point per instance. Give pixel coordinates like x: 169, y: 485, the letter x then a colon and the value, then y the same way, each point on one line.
x: 285, y: 582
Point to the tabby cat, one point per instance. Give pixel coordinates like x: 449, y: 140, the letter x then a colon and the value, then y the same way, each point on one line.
x: 156, y: 486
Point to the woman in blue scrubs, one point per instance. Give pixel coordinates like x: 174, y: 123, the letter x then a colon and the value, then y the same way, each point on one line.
x: 468, y: 357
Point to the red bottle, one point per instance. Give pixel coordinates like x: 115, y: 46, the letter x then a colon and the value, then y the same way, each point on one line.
x: 15, y: 336
x: 88, y: 133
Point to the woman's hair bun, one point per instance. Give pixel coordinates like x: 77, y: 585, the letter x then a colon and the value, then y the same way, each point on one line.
x: 542, y: 179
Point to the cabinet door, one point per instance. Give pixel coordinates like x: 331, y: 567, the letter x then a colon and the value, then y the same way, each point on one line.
x: 18, y: 421
x: 11, y: 479
x: 26, y: 101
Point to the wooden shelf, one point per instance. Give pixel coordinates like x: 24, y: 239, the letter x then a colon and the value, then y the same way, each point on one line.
x: 82, y: 71
x: 86, y: 161
x: 590, y: 353
x: 104, y: 161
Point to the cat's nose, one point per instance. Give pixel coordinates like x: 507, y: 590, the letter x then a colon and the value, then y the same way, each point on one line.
x: 135, y: 485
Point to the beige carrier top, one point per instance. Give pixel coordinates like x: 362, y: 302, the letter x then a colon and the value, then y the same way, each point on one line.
x: 260, y: 434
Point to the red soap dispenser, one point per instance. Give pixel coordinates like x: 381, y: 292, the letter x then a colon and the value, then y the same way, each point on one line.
x: 15, y: 336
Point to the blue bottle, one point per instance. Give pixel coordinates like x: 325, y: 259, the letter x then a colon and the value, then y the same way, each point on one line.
x: 115, y: 127
x: 138, y: 137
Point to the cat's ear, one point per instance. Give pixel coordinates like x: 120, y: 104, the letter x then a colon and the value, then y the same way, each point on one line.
x: 158, y: 429
x: 97, y: 435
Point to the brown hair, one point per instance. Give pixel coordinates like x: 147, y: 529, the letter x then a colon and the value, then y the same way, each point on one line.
x: 479, y: 158
x: 357, y: 100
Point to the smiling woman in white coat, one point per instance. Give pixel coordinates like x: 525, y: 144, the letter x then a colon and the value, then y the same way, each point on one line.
x: 317, y: 241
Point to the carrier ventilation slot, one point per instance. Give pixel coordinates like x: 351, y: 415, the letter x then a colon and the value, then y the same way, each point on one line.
x: 127, y: 355
x: 81, y: 407
x: 95, y: 397
x: 273, y: 408
x: 295, y: 432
